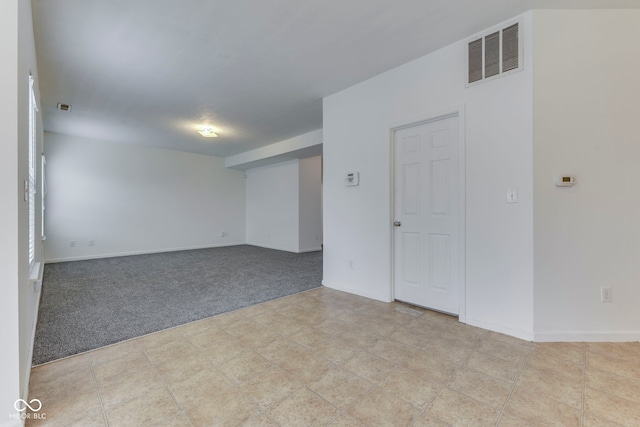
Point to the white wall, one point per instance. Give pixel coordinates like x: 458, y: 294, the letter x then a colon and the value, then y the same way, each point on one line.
x: 18, y: 302
x: 499, y: 236
x: 272, y: 206
x: 301, y: 146
x: 310, y: 204
x: 284, y: 205
x: 587, y: 90
x: 137, y: 199
x: 10, y: 177
x: 29, y: 295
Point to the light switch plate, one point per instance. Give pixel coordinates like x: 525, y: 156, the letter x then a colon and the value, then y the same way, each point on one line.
x: 512, y: 195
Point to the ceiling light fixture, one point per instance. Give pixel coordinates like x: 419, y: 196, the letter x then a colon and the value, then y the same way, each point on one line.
x: 208, y: 132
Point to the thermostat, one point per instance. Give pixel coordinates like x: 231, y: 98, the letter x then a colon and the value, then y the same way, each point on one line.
x: 565, y: 181
x: 351, y: 179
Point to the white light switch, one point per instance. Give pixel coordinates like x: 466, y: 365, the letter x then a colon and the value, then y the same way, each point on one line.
x: 512, y: 195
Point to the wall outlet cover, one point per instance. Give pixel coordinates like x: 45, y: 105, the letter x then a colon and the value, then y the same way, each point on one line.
x: 351, y: 179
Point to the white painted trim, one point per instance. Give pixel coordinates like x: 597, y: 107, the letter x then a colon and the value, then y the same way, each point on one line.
x: 454, y: 111
x: 356, y: 291
x: 316, y: 249
x: 36, y: 272
x: 518, y: 333
x: 144, y: 252
x: 277, y: 248
x: 425, y: 117
x: 587, y: 336
x: 392, y: 210
x: 462, y: 210
x: 28, y: 362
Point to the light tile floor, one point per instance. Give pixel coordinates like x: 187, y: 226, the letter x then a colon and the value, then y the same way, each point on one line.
x: 324, y: 357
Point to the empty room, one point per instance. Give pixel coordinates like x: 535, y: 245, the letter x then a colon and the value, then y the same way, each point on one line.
x: 286, y: 213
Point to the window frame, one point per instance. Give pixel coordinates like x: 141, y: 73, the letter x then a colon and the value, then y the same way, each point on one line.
x: 32, y: 170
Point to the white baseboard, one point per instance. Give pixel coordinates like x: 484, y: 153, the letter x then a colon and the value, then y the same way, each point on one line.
x: 142, y: 252
x: 280, y: 248
x: 587, y: 336
x: 277, y: 248
x: 316, y: 249
x: 517, y: 333
x: 357, y: 291
x: 560, y: 336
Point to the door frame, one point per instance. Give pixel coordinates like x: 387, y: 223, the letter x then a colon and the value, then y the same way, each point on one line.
x: 456, y: 111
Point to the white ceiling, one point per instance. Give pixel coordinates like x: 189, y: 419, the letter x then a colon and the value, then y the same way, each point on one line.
x: 152, y: 71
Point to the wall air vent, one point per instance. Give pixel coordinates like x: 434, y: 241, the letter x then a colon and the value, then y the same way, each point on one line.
x: 63, y: 107
x: 494, y: 54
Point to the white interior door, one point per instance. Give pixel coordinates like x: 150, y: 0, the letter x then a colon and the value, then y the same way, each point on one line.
x: 426, y: 219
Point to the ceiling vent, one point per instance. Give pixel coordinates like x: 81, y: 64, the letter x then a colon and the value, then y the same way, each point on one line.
x: 494, y: 54
x: 63, y: 107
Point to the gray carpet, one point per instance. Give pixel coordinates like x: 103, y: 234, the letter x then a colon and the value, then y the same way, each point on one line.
x: 91, y: 304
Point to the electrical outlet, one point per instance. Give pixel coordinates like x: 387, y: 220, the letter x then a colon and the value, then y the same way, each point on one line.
x: 224, y: 234
x: 72, y: 244
x: 92, y: 242
x: 512, y: 195
x: 606, y: 294
x: 351, y: 264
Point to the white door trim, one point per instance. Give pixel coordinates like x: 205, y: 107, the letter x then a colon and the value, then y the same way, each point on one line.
x: 458, y: 111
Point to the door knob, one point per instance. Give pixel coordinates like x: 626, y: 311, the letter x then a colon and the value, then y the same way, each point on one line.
x: 397, y: 223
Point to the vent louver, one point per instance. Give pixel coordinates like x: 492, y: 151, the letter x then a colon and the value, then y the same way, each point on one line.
x: 510, y: 48
x: 475, y: 61
x: 494, y: 54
